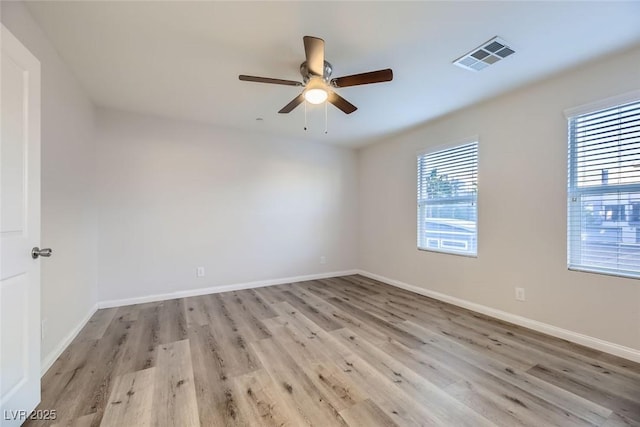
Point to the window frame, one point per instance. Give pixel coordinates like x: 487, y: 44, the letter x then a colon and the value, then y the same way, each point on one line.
x: 443, y: 147
x: 575, y: 193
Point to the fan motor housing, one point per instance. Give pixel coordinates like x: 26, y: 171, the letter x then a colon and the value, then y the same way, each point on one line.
x: 306, y: 74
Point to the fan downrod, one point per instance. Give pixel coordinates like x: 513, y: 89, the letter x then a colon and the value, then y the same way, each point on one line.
x: 306, y: 74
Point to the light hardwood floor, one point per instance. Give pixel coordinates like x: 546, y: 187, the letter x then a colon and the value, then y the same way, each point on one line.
x: 335, y: 352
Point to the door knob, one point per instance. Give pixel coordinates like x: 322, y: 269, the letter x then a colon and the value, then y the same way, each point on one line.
x: 37, y: 252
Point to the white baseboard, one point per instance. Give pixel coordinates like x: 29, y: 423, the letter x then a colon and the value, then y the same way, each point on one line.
x: 223, y: 288
x: 588, y: 341
x: 47, y: 362
x: 578, y: 338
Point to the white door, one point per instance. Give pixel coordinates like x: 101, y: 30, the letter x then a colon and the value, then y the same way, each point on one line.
x: 19, y: 231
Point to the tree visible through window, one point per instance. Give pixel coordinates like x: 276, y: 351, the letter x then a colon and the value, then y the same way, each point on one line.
x: 447, y: 200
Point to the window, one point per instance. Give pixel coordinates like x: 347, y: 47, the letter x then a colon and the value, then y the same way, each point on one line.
x: 604, y: 191
x: 447, y: 200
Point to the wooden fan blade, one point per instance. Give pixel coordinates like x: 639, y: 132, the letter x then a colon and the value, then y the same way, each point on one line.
x: 268, y: 80
x: 293, y: 104
x: 341, y: 103
x: 364, y: 78
x: 314, y: 51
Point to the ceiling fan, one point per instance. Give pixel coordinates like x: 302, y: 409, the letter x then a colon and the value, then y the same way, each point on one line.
x: 317, y: 81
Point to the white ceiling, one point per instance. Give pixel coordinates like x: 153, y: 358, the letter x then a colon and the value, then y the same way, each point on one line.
x: 182, y: 59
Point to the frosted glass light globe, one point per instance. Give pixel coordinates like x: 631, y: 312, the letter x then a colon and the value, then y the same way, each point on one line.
x: 315, y: 96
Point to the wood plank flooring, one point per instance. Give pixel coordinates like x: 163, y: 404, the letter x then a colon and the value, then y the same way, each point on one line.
x: 346, y: 351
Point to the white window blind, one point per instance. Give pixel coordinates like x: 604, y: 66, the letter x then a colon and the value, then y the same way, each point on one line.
x: 604, y: 191
x: 447, y: 200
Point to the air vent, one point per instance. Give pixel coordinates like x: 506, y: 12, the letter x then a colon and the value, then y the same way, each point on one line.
x: 489, y: 53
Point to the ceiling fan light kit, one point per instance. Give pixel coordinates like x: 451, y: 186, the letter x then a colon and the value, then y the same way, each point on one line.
x: 317, y: 81
x: 315, y: 92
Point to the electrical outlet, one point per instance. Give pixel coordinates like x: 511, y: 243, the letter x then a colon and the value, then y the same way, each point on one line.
x: 200, y: 272
x: 43, y: 329
x: 323, y: 259
x: 520, y: 294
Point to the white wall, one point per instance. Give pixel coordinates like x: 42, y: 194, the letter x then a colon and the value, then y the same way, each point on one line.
x: 248, y: 207
x: 522, y: 208
x: 68, y: 220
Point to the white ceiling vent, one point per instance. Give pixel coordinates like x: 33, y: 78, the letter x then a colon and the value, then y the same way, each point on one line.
x: 481, y: 57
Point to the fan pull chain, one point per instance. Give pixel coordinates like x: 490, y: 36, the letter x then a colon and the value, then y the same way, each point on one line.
x: 305, y: 114
x: 326, y: 120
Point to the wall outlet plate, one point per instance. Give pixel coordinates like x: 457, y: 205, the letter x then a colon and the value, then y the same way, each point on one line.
x: 520, y: 294
x: 200, y: 272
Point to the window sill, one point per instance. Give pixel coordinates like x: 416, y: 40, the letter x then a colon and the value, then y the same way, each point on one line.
x: 604, y: 273
x: 448, y: 252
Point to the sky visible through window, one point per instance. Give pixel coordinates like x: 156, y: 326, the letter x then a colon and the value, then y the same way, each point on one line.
x: 608, y: 151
